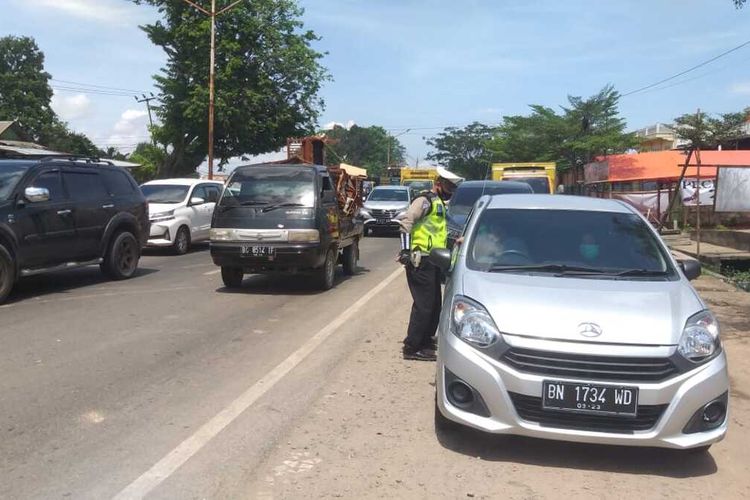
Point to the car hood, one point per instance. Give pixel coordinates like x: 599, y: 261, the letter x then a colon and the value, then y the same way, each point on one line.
x: 627, y: 312
x: 157, y: 208
x: 386, y: 205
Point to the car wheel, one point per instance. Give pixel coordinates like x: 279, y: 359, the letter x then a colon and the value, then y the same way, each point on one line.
x: 7, y: 273
x: 327, y: 273
x: 232, y: 276
x: 123, y: 254
x: 182, y: 241
x: 351, y: 256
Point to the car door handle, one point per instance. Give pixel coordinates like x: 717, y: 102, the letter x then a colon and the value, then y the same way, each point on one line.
x: 64, y: 212
x: 109, y: 205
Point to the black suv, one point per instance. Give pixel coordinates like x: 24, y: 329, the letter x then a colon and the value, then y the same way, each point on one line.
x: 61, y: 213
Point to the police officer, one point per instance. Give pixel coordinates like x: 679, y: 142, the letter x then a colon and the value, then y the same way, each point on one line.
x: 424, y: 227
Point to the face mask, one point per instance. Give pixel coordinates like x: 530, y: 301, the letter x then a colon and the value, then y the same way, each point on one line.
x: 589, y: 251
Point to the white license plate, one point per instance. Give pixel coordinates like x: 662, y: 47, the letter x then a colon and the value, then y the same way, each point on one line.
x: 257, y: 251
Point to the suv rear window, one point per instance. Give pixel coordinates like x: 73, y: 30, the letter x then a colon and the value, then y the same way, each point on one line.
x: 117, y: 182
x: 84, y: 186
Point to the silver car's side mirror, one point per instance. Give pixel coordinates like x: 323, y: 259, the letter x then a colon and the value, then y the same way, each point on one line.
x: 36, y: 194
x: 441, y: 257
x: 196, y: 201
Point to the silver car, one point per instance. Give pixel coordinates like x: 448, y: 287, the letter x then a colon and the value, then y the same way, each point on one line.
x: 385, y: 204
x: 568, y: 318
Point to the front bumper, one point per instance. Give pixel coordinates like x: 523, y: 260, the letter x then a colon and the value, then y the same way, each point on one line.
x: 498, y: 384
x: 162, y: 234
x: 381, y: 224
x: 286, y: 258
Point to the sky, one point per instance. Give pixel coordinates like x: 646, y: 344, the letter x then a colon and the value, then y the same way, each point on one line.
x: 421, y: 65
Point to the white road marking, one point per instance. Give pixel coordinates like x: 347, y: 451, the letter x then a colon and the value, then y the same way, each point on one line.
x: 165, y: 467
x: 217, y: 271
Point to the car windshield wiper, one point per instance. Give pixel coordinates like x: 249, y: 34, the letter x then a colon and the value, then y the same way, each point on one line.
x: 639, y: 272
x: 552, y: 268
x: 280, y: 205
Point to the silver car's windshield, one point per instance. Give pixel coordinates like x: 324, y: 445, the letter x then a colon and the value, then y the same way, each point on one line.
x: 566, y: 243
x: 389, y: 195
x: 164, y: 193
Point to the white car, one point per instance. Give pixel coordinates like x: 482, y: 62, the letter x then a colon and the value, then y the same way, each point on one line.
x: 180, y: 211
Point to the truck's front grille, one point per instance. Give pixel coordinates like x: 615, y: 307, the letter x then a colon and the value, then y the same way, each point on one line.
x: 530, y: 408
x: 583, y: 366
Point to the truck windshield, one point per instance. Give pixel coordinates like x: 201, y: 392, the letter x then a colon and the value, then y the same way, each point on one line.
x: 539, y: 185
x: 598, y: 244
x: 389, y: 195
x: 164, y: 193
x: 465, y: 196
x: 262, y: 186
x: 10, y: 174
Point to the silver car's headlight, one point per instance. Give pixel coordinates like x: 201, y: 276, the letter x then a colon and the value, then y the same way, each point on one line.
x: 222, y: 234
x: 364, y: 213
x: 163, y: 216
x: 700, y: 338
x: 472, y: 323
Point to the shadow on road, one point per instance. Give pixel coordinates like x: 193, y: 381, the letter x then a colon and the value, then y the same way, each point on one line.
x: 544, y: 453
x: 64, y: 282
x: 298, y: 284
x: 168, y: 252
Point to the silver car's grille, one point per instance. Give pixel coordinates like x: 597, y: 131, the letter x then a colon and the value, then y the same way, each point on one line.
x: 530, y: 408
x: 590, y: 367
x: 383, y: 214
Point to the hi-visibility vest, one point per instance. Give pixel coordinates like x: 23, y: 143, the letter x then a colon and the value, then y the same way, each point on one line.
x: 431, y: 231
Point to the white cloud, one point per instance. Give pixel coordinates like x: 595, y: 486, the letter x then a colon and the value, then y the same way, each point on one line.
x: 332, y: 125
x: 742, y: 88
x: 110, y: 11
x: 130, y: 129
x: 71, y: 107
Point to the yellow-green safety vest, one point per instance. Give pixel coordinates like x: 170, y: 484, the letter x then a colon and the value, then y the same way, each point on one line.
x: 431, y: 231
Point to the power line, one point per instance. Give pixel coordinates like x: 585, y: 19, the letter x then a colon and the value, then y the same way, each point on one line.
x: 103, y: 87
x: 652, y: 85
x: 82, y: 90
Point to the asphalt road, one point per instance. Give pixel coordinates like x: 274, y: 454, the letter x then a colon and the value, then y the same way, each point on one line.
x: 102, y: 380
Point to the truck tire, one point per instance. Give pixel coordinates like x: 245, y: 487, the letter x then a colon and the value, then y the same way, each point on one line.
x: 350, y: 258
x: 123, y: 254
x: 232, y: 276
x: 181, y: 241
x: 326, y: 275
x: 7, y: 273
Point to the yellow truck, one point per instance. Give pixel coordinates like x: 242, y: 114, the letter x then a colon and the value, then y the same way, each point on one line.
x: 541, y: 176
x: 418, y: 179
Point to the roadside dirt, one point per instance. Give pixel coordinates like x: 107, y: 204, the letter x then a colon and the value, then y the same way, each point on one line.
x: 371, y: 435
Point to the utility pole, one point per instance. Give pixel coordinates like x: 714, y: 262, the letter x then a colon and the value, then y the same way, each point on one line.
x: 388, y: 159
x: 698, y: 196
x: 148, y: 100
x: 212, y: 14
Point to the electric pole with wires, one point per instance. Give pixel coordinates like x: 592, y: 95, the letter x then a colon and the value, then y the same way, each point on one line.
x: 148, y: 100
x: 212, y: 14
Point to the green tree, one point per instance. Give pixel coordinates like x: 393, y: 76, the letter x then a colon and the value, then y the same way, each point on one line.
x: 150, y: 158
x: 463, y: 150
x: 25, y: 93
x: 701, y: 131
x: 365, y: 147
x: 267, y: 80
x: 581, y: 131
x: 25, y: 96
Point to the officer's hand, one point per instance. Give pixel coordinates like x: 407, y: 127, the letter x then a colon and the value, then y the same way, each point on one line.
x: 404, y: 257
